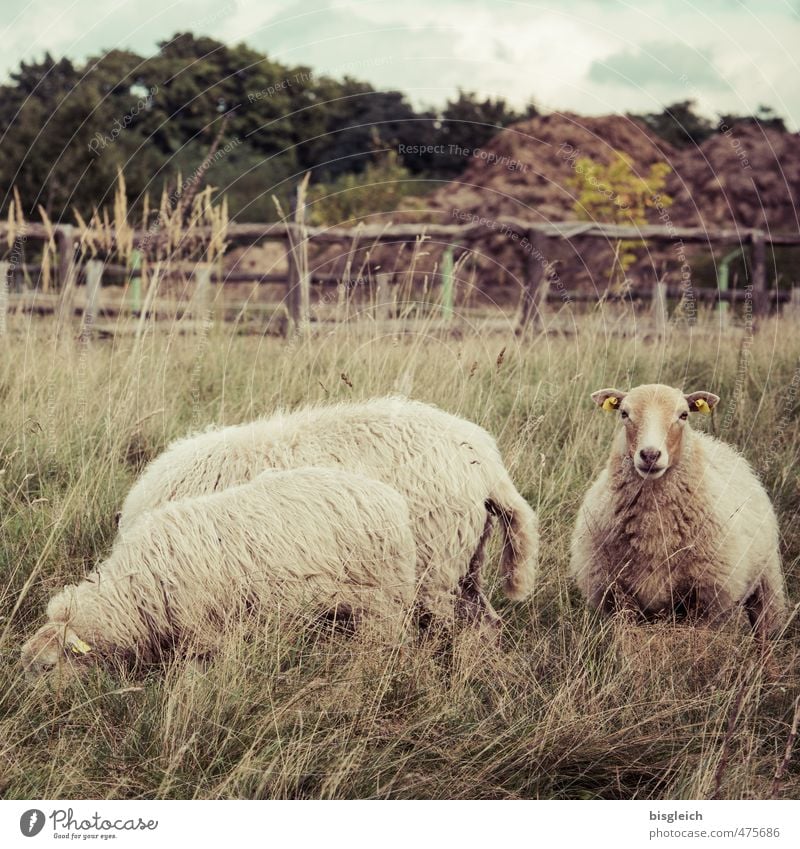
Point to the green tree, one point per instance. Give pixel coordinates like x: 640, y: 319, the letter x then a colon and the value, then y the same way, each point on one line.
x: 350, y: 197
x: 466, y: 122
x: 679, y: 124
x: 69, y: 128
x: 765, y: 116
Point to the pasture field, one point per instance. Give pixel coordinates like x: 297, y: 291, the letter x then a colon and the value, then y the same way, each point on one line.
x: 569, y: 706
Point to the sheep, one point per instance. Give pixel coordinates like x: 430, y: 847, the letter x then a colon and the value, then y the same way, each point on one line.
x: 677, y: 523
x: 449, y: 470
x: 308, y: 541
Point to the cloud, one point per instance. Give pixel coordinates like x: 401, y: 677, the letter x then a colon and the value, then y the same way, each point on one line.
x: 589, y: 56
x: 659, y: 63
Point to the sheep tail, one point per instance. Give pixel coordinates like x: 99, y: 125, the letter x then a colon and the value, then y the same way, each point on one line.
x: 520, y: 556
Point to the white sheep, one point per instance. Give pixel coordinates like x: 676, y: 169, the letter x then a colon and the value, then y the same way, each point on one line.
x: 448, y: 469
x: 306, y: 542
x: 677, y: 523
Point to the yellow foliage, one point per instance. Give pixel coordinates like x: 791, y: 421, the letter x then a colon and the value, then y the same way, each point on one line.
x: 617, y: 193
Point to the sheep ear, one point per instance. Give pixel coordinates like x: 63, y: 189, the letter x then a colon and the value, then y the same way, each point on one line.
x: 702, y: 402
x: 608, y: 399
x: 75, y: 643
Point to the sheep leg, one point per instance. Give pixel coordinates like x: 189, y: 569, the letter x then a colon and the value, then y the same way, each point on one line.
x: 473, y: 605
x: 614, y: 600
x: 713, y: 606
x: 764, y: 609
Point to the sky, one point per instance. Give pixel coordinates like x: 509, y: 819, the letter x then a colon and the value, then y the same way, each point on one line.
x: 588, y: 57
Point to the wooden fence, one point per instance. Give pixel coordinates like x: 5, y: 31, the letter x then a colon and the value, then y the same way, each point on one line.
x: 531, y: 239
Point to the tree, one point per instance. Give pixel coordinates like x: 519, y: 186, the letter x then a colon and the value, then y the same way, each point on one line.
x: 47, y: 121
x: 351, y: 197
x: 466, y: 123
x: 765, y: 116
x: 679, y: 124
x: 616, y: 194
x: 69, y: 129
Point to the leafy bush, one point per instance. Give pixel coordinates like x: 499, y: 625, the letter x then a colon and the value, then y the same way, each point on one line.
x: 351, y: 197
x: 617, y: 194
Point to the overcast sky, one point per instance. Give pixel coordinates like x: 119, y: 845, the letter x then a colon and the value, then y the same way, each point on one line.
x: 590, y: 57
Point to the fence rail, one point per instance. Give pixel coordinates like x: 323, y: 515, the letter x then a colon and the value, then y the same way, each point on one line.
x: 530, y: 238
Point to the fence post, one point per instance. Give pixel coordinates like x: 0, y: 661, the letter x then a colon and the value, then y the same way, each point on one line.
x: 67, y: 272
x: 201, y: 312
x: 292, y: 282
x: 4, y: 269
x: 383, y: 296
x: 725, y: 308
x: 342, y: 311
x: 154, y: 279
x: 219, y: 293
x: 94, y: 280
x: 298, y: 294
x: 792, y: 308
x: 537, y: 283
x: 448, y: 283
x: 659, y: 307
x: 758, y: 272
x: 135, y: 265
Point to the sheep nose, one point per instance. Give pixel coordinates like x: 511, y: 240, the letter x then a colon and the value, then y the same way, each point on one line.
x: 650, y: 456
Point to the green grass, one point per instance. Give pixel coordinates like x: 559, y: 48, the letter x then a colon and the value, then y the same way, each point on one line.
x: 571, y: 706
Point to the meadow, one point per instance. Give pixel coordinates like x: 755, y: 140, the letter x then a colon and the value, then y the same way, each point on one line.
x: 570, y: 705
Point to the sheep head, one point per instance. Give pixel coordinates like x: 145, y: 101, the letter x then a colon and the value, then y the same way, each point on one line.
x: 53, y: 645
x: 654, y: 421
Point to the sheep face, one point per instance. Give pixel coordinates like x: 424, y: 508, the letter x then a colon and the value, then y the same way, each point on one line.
x: 53, y: 645
x: 654, y: 420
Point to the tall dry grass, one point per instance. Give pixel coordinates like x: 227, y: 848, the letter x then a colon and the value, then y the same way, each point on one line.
x: 571, y: 706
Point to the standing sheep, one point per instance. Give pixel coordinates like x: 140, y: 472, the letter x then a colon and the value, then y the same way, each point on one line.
x: 449, y: 471
x: 677, y: 522
x: 308, y: 541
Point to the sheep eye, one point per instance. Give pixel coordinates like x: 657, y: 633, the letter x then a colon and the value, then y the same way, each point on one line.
x: 683, y: 416
x: 623, y: 414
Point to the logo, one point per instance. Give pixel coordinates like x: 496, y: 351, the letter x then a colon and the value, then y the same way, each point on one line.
x: 31, y: 822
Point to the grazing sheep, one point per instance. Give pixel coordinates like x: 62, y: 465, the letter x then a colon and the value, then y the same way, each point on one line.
x: 677, y: 523
x: 308, y: 541
x: 449, y: 471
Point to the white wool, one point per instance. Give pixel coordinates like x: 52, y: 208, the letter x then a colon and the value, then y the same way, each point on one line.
x: 704, y: 535
x: 308, y: 542
x: 448, y: 469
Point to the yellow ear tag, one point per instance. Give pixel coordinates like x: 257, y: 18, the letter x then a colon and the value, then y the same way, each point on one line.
x: 702, y: 406
x: 79, y: 647
x: 609, y: 405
